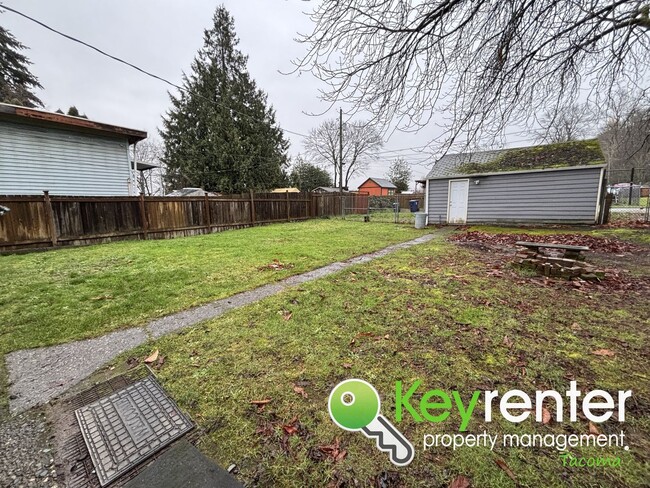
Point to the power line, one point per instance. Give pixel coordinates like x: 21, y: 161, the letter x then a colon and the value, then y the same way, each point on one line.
x: 130, y: 65
x: 412, y: 151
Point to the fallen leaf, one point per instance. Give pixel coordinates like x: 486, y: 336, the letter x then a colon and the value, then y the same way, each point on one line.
x: 347, y: 365
x: 132, y: 362
x: 334, y: 451
x: 459, y: 482
x: 502, y: 464
x: 289, y: 429
x: 507, y: 341
x: 593, y: 430
x: 300, y: 391
x: 286, y: 314
x: 546, y: 416
x: 152, y: 357
x: 260, y: 402
x: 603, y: 352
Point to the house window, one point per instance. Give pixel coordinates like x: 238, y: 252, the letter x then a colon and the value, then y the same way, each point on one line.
x: 391, y: 192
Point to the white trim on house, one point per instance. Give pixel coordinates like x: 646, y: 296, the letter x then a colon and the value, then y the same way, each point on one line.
x: 600, y: 192
x: 496, y: 173
x: 456, y: 180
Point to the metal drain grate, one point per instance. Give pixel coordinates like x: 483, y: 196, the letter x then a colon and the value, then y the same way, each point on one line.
x: 125, y: 428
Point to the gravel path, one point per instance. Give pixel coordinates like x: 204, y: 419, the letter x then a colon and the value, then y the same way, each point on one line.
x: 26, y: 458
x: 38, y: 375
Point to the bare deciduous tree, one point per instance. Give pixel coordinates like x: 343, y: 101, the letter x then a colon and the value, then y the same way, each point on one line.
x: 485, y: 64
x: 567, y: 123
x: 360, y: 143
x: 625, y: 139
x: 150, y: 151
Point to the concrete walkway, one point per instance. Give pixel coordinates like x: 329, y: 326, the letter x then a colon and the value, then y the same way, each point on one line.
x: 38, y: 375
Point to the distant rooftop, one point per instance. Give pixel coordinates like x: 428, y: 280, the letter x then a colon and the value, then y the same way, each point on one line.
x: 384, y: 183
x: 326, y: 189
x: 43, y: 117
x: 531, y: 158
x: 190, y: 192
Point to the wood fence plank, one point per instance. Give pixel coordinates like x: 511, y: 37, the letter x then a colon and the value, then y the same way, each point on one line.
x: 69, y: 220
x: 50, y: 217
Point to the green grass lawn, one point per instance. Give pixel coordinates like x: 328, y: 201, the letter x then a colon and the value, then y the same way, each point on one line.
x: 643, y: 203
x: 432, y: 313
x: 54, y: 297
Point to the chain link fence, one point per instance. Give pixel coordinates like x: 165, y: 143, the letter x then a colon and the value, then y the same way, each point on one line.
x: 629, y: 195
x: 397, y: 209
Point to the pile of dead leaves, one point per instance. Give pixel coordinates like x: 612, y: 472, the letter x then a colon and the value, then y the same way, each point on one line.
x: 596, y: 244
x: 276, y: 265
x: 635, y: 224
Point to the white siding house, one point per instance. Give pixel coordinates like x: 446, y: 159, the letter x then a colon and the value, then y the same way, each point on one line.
x: 64, y: 155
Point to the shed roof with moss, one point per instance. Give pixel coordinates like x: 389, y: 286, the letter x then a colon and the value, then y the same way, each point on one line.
x: 532, y: 158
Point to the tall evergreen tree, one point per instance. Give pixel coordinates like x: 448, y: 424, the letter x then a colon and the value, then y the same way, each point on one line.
x: 220, y: 134
x: 16, y: 81
x: 400, y: 174
x: 307, y: 176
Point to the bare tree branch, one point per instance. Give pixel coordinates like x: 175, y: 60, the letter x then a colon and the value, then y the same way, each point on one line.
x: 360, y: 143
x: 484, y: 64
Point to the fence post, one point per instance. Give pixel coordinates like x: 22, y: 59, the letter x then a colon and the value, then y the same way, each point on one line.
x: 252, y: 208
x: 629, y: 197
x: 208, y: 218
x: 49, y: 212
x: 288, y: 207
x: 605, y: 211
x: 143, y: 217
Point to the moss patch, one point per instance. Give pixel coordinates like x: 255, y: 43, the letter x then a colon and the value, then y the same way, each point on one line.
x: 562, y: 155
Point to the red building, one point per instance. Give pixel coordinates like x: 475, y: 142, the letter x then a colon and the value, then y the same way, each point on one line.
x: 378, y: 187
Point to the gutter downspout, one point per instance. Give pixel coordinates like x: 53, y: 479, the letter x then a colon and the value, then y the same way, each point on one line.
x: 135, y: 171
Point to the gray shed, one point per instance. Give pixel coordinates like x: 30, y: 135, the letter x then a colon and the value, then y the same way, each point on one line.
x: 554, y: 183
x: 66, y: 155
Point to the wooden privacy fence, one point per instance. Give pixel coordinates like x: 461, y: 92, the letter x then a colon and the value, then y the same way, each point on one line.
x: 37, y: 221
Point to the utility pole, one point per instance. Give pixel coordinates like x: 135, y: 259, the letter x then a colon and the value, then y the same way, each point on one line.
x: 341, y: 158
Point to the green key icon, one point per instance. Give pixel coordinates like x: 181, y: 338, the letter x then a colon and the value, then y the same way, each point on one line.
x: 354, y: 405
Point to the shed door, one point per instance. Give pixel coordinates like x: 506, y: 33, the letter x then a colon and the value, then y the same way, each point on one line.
x: 458, y: 193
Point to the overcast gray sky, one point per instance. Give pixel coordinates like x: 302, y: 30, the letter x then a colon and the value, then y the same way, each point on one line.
x: 162, y: 36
